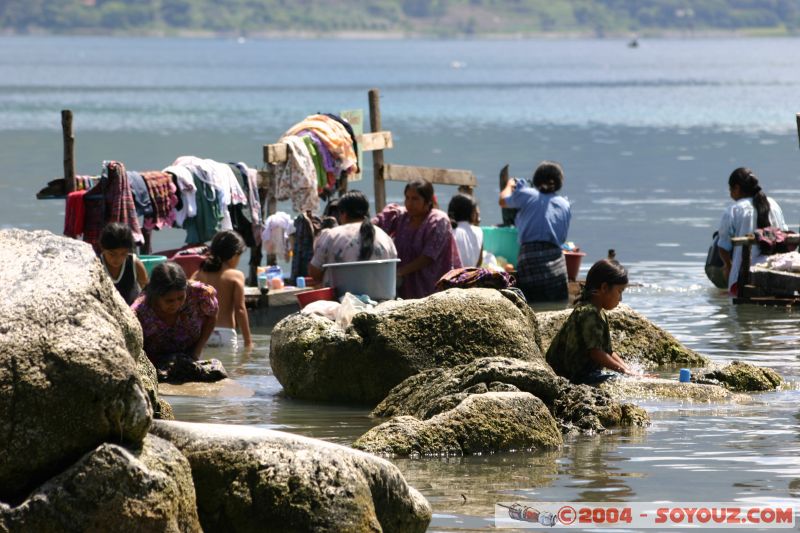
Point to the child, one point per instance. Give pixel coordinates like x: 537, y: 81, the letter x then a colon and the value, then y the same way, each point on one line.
x: 463, y: 212
x: 127, y: 272
x: 219, y: 271
x: 582, y: 348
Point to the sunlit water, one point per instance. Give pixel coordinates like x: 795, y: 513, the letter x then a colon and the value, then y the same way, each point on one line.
x: 647, y: 139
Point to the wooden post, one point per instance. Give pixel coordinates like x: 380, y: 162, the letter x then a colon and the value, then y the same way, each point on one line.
x: 744, y: 272
x: 798, y: 126
x: 377, y: 155
x: 69, y: 150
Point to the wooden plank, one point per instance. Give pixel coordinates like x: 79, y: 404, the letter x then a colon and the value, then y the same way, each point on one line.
x: 275, y: 153
x: 444, y: 176
x: 791, y: 238
x: 379, y: 140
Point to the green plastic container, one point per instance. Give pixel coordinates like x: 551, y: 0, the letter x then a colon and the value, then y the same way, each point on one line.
x: 502, y: 242
x: 150, y: 262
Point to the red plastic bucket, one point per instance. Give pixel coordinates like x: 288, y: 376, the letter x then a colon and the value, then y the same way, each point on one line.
x: 573, y: 260
x: 306, y: 297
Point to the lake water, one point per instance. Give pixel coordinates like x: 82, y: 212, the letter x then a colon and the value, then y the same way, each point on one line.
x: 647, y: 138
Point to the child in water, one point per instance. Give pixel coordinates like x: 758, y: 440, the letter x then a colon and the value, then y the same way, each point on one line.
x: 219, y: 271
x: 582, y: 348
x: 126, y: 271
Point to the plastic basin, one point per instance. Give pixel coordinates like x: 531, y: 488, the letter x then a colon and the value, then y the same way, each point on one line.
x: 377, y: 279
x: 502, y: 242
x: 306, y: 297
x: 573, y: 260
x: 150, y: 262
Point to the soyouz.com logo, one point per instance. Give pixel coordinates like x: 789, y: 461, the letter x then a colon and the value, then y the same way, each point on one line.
x: 643, y: 515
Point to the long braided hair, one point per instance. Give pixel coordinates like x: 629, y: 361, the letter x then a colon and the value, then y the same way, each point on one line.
x: 749, y: 187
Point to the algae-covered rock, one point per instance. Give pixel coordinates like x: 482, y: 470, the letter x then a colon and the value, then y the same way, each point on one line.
x: 744, y: 377
x: 112, y: 488
x: 250, y: 479
x: 68, y: 351
x: 664, y: 389
x: 315, y: 359
x: 480, y: 423
x: 633, y: 337
x: 581, y: 407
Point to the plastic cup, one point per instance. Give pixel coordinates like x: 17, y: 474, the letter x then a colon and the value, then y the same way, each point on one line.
x: 685, y: 375
x: 300, y: 282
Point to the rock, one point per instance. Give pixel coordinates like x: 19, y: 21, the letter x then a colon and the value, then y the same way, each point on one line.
x: 227, y: 388
x: 68, y: 352
x: 112, y: 489
x: 580, y: 407
x: 315, y: 359
x: 665, y: 389
x: 480, y: 423
x: 633, y: 337
x: 147, y: 376
x: 250, y: 479
x: 744, y: 377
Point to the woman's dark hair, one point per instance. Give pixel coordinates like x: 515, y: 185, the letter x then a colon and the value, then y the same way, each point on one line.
x: 224, y: 245
x: 461, y: 208
x: 356, y: 206
x: 166, y: 277
x: 603, y: 271
x: 116, y: 235
x: 548, y: 177
x: 422, y: 187
x: 749, y: 187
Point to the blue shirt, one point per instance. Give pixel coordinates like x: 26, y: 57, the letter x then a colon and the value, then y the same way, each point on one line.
x: 541, y: 217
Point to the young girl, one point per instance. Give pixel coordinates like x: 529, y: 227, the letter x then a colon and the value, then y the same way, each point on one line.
x: 219, y: 271
x: 127, y: 272
x: 463, y: 211
x: 582, y: 348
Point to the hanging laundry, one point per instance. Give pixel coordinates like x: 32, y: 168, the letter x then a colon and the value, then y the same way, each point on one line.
x: 203, y: 226
x: 188, y: 191
x: 277, y: 229
x: 297, y: 178
x: 141, y: 197
x: 306, y: 227
x: 241, y: 218
x: 84, y: 183
x: 163, y: 199
x: 253, y: 200
x: 74, y: 214
x: 110, y: 200
x: 351, y: 133
x: 333, y: 134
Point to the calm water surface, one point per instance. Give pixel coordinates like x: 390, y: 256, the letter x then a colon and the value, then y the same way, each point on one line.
x: 647, y: 138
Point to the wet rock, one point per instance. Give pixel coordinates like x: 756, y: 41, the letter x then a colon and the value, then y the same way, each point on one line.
x: 665, y: 389
x: 488, y: 422
x: 744, y: 377
x: 315, y: 359
x: 250, y: 479
x: 112, y: 488
x: 68, y: 360
x: 633, y: 337
x: 147, y: 376
x: 578, y: 407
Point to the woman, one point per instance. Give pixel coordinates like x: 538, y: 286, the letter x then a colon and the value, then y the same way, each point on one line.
x: 354, y: 239
x: 177, y: 316
x: 463, y: 213
x: 424, y: 240
x: 751, y: 209
x: 543, y: 222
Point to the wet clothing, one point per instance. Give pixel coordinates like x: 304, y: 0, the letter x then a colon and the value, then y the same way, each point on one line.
x: 585, y: 328
x: 223, y: 338
x: 126, y: 283
x: 162, y: 339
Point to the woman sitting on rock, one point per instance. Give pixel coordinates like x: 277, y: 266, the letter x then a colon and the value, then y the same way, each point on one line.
x: 582, y: 348
x: 424, y: 240
x: 177, y: 316
x: 354, y: 239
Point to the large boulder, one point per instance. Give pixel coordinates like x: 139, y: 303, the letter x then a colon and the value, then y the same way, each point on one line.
x: 480, y: 423
x: 313, y: 358
x: 633, y: 337
x: 68, y: 358
x: 743, y: 377
x: 250, y: 479
x: 575, y: 407
x: 665, y: 389
x: 112, y: 488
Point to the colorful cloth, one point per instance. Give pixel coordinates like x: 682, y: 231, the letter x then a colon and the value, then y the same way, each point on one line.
x: 472, y: 277
x: 297, y: 178
x: 541, y: 217
x: 542, y: 272
x: 110, y: 201
x: 74, y: 214
x: 203, y: 226
x: 162, y: 339
x: 333, y: 135
x: 188, y: 191
x: 163, y: 199
x: 433, y: 238
x: 585, y: 329
x: 305, y: 229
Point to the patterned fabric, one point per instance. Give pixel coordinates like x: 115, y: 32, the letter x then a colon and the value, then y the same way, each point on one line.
x: 84, y: 183
x: 333, y: 135
x: 586, y: 328
x: 161, y: 190
x: 304, y: 232
x: 542, y: 272
x: 297, y: 178
x: 74, y: 214
x: 472, y: 277
x: 342, y: 243
x: 433, y: 238
x: 110, y: 201
x: 162, y: 339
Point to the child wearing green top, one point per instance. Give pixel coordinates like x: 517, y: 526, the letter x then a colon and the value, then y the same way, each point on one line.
x: 582, y: 348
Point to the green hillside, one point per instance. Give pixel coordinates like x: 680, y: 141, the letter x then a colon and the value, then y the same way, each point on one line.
x: 398, y: 17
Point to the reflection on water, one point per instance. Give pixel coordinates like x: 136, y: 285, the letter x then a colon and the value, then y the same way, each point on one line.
x: 751, y: 451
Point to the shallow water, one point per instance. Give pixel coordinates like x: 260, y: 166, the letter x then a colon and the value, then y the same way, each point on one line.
x: 647, y: 139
